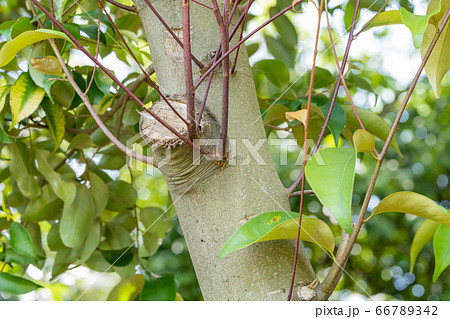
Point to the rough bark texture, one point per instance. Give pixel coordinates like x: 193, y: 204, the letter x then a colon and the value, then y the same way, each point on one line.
x: 212, y: 202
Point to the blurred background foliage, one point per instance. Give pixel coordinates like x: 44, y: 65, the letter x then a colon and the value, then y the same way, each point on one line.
x: 280, y: 57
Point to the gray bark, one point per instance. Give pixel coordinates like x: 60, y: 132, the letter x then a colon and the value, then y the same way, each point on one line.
x: 212, y: 202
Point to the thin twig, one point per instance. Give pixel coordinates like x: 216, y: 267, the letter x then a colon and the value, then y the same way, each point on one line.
x: 345, y: 247
x: 305, y: 141
x: 123, y: 6
x: 202, y: 4
x: 233, y: 69
x: 297, y: 182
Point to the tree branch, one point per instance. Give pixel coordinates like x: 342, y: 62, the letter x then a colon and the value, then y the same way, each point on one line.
x: 123, y: 6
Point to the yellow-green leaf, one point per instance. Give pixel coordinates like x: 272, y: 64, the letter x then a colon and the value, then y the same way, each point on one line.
x: 3, y: 93
x: 128, y: 289
x: 299, y: 115
x: 423, y: 235
x: 414, y: 204
x: 279, y: 225
x: 47, y: 65
x: 383, y: 19
x: 56, y: 121
x: 363, y: 141
x: 441, y: 247
x: 439, y: 62
x: 64, y: 190
x: 27, y: 38
x: 25, y: 98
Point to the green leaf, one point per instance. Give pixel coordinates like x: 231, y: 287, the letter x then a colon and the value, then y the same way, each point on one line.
x: 162, y: 288
x: 383, y: 19
x: 12, y: 256
x: 441, y: 247
x: 116, y: 238
x: 11, y: 48
x: 119, y: 257
x: 99, y: 191
x: 21, y: 170
x: 373, y: 123
x: 423, y: 235
x: 4, y: 90
x: 64, y: 190
x: 414, y: 204
x: 103, y: 82
x: 25, y: 98
x: 44, y: 207
x: 54, y: 241
x: 81, y: 141
x: 275, y: 115
x: 122, y: 196
x: 47, y: 65
x: 337, y: 120
x: 363, y: 141
x: 155, y: 221
x: 439, y: 62
x: 322, y: 78
x: 331, y: 173
x: 56, y: 121
x: 16, y: 285
x: 128, y: 289
x: 279, y: 225
x: 91, y: 242
x: 275, y: 71
x: 77, y: 218
x: 20, y: 240
x: 417, y: 24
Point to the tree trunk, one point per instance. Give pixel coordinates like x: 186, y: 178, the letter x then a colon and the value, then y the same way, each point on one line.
x: 212, y: 203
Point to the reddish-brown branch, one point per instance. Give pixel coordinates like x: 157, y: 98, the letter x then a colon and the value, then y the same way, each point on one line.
x: 169, y: 29
x: 305, y: 141
x: 189, y: 77
x: 202, y: 4
x: 123, y: 87
x: 233, y: 69
x: 150, y: 81
x: 215, y: 64
x: 297, y: 182
x: 97, y: 50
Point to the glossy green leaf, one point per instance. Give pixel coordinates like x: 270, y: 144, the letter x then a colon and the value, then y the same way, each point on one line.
x: 15, y: 285
x: 4, y: 90
x: 441, y: 247
x: 25, y: 98
x: 414, y: 204
x: 279, y: 225
x: 383, y: 19
x: 337, y: 120
x: 363, y: 141
x: 417, y: 24
x: 91, y: 242
x: 275, y: 71
x: 155, y: 221
x: 10, y: 255
x: 77, y: 217
x: 20, y: 169
x: 322, y: 78
x: 275, y: 115
x: 373, y: 123
x: 64, y: 190
x: 81, y: 141
x: 439, y: 62
x: 128, y: 289
x: 20, y: 240
x: 116, y: 238
x: 331, y: 173
x: 423, y: 235
x: 162, y: 288
x: 99, y: 191
x: 44, y: 207
x: 103, y: 82
x: 11, y: 48
x: 120, y: 257
x: 56, y: 121
x: 122, y: 196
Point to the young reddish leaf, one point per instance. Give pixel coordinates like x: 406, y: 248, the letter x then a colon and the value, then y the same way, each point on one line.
x: 423, y: 235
